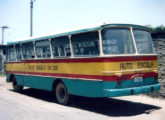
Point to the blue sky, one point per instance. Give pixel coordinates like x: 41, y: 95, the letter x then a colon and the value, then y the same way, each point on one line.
x: 54, y: 16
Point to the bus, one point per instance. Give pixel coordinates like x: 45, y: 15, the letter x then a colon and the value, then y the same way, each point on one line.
x: 105, y: 61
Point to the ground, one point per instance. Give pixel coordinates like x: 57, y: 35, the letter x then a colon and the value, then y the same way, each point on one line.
x: 35, y: 104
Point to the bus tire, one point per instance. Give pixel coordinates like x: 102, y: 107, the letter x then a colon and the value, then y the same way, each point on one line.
x: 16, y: 87
x: 61, y: 94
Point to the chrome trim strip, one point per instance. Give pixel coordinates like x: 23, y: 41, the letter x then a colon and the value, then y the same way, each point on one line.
x: 60, y: 77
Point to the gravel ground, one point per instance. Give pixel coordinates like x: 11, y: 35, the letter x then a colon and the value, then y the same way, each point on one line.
x: 39, y: 105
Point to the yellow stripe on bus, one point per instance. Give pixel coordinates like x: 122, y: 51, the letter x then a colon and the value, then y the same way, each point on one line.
x: 95, y: 68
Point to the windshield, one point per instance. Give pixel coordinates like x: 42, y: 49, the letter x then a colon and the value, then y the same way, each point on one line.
x: 117, y: 41
x: 143, y: 42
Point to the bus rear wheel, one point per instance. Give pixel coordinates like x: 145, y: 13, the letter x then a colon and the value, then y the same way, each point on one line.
x: 16, y: 87
x: 61, y: 94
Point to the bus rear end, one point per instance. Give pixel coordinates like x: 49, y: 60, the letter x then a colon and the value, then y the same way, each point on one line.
x: 130, y: 75
x: 131, y: 65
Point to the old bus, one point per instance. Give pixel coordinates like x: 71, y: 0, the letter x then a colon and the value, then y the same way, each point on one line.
x: 105, y: 61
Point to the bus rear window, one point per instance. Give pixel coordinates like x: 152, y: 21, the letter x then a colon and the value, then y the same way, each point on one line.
x: 143, y: 42
x: 117, y: 41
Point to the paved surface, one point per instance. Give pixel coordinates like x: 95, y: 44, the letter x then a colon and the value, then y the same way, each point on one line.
x: 39, y: 105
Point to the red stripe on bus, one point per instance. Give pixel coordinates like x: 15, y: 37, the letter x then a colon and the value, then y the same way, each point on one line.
x: 82, y: 60
x: 97, y: 77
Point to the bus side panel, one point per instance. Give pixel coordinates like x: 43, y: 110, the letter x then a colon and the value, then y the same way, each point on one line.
x: 28, y: 81
x: 75, y: 87
x: 84, y: 87
x: 19, y: 79
x: 38, y: 82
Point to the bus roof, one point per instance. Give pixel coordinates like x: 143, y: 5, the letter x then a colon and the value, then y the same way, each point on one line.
x: 79, y: 31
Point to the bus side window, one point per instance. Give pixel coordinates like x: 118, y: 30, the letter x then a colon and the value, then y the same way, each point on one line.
x: 28, y: 50
x: 85, y: 44
x: 11, y: 54
x: 18, y: 52
x: 43, y: 49
x: 60, y: 47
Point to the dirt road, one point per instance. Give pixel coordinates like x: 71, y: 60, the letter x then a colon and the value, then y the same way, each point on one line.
x: 39, y: 105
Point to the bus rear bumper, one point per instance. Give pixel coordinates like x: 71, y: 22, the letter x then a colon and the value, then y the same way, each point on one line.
x: 131, y: 91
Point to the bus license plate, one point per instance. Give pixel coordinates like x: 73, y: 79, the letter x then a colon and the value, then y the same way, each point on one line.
x: 138, y: 79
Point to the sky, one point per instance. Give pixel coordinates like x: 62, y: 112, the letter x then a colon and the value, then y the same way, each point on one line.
x: 56, y: 16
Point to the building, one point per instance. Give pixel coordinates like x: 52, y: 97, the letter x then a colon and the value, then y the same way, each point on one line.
x: 2, y: 58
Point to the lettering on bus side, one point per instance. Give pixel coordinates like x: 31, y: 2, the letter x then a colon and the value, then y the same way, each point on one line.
x: 145, y: 64
x: 40, y: 67
x: 126, y: 65
x: 54, y: 68
x: 31, y: 67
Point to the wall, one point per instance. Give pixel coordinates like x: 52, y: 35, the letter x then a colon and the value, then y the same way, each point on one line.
x: 159, y: 44
x: 2, y: 58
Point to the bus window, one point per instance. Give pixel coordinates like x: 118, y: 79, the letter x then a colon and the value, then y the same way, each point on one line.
x: 60, y: 47
x: 18, y: 52
x: 28, y: 50
x: 85, y: 44
x: 43, y: 49
x: 11, y: 53
x: 143, y: 42
x: 117, y: 41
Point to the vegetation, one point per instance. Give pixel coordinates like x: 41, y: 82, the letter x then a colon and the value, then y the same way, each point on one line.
x: 157, y: 30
